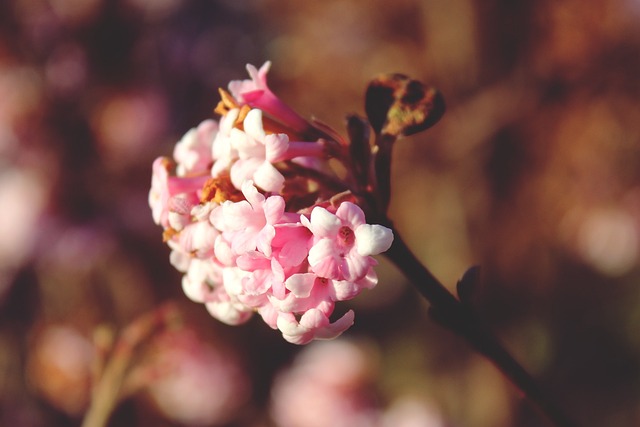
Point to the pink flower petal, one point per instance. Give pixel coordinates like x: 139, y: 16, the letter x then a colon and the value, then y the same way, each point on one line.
x: 253, y: 96
x: 193, y: 153
x: 264, y: 238
x: 252, y: 194
x: 293, y: 242
x: 344, y: 290
x: 238, y: 215
x: 314, y: 319
x: 269, y: 315
x: 336, y: 328
x: 355, y: 267
x: 350, y: 214
x: 228, y: 312
x: 313, y: 325
x: 324, y: 260
x: 300, y: 285
x: 276, y: 147
x: 243, y: 170
x: 252, y: 260
x: 273, y: 209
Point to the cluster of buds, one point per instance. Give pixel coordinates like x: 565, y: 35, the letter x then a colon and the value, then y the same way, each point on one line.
x: 266, y: 212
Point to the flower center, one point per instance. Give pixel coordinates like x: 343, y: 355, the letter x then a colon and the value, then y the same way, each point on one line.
x: 228, y: 103
x: 346, y: 237
x: 220, y: 189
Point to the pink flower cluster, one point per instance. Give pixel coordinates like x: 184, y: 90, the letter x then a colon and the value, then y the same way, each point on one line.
x: 258, y: 221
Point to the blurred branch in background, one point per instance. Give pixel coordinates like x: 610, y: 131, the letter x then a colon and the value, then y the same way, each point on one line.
x: 113, y: 360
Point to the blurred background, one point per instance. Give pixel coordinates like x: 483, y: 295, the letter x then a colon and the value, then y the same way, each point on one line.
x: 533, y: 173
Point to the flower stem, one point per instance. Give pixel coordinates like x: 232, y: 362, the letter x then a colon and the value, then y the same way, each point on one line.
x: 457, y: 316
x: 382, y: 170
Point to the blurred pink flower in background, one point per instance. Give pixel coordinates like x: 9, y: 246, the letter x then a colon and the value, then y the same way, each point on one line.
x: 155, y: 9
x: 66, y: 69
x: 59, y: 367
x: 21, y: 88
x: 75, y: 12
x: 411, y: 411
x: 127, y: 124
x: 331, y: 383
x: 194, y: 382
x: 328, y: 384
x: 23, y: 196
x: 605, y: 237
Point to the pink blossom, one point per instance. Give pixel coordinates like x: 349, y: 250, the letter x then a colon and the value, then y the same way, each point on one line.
x: 194, y: 382
x: 328, y: 384
x: 178, y: 258
x: 251, y: 153
x: 344, y: 242
x: 159, y: 193
x: 193, y: 152
x: 257, y: 152
x: 179, y: 209
x: 197, y: 239
x: 259, y: 274
x: 164, y: 187
x: 267, y: 273
x: 223, y: 252
x: 248, y: 225
x: 256, y: 93
x: 269, y: 248
x: 269, y: 314
x: 291, y: 244
x: 227, y: 309
x: 306, y: 291
x: 257, y: 83
x: 200, y: 279
x: 255, y: 276
x: 241, y: 292
x: 222, y: 150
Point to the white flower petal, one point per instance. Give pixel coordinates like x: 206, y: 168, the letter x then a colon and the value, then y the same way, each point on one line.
x: 373, y: 239
x: 324, y: 223
x: 253, y: 124
x: 268, y: 178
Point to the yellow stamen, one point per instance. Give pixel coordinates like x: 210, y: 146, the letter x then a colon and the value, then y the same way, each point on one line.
x: 244, y: 110
x: 227, y: 103
x: 168, y: 233
x: 219, y: 190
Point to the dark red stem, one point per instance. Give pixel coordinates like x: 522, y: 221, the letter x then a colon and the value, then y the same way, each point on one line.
x: 448, y: 311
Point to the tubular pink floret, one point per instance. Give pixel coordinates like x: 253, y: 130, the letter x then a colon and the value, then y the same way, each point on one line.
x: 256, y: 94
x: 190, y: 185
x: 303, y: 149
